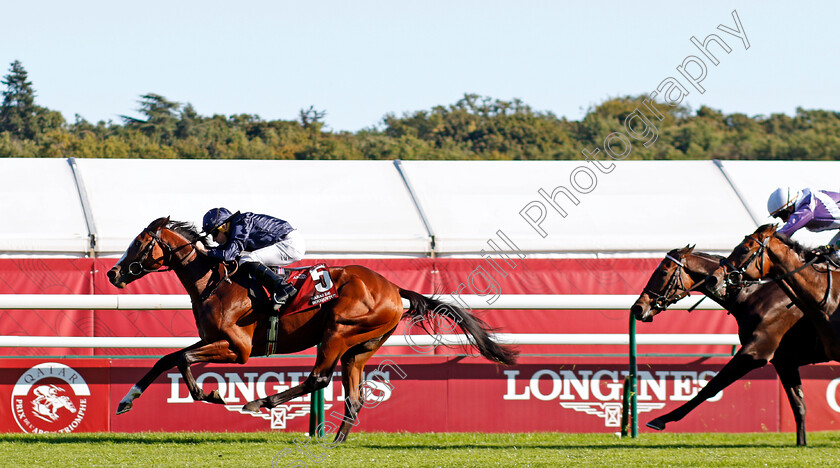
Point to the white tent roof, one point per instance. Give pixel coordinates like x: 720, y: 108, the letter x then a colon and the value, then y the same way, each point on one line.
x: 365, y: 207
x: 639, y: 206
x: 40, y: 207
x: 340, y: 206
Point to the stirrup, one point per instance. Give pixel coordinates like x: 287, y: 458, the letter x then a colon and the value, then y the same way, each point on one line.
x: 283, y: 297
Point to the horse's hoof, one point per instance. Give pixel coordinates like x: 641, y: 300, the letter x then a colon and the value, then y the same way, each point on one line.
x: 214, y: 397
x: 123, y: 407
x: 252, y: 406
x: 657, y: 424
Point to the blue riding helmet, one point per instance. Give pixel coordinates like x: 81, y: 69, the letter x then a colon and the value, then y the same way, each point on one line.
x: 215, y: 218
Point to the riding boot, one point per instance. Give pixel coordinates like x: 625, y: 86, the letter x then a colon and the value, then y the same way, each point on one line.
x: 281, y: 291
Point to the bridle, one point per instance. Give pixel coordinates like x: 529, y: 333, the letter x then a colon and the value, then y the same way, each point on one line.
x: 136, y: 267
x: 735, y: 276
x: 674, y: 290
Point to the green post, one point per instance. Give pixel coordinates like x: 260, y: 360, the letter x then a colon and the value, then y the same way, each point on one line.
x: 634, y: 403
x: 320, y: 407
x: 316, y: 412
x: 625, y: 408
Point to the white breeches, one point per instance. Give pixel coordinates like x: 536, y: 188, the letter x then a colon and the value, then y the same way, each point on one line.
x: 285, y: 252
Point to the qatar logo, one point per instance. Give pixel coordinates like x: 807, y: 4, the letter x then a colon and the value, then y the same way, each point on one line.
x: 50, y: 397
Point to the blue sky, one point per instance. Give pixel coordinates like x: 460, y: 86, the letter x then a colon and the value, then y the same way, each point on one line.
x: 361, y: 60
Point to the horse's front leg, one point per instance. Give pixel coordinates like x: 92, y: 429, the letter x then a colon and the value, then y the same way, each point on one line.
x: 218, y: 352
x: 162, y: 365
x: 737, y: 367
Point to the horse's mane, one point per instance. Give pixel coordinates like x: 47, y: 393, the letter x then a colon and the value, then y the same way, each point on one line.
x: 185, y: 229
x: 708, y: 256
x: 805, y: 253
x: 681, y: 252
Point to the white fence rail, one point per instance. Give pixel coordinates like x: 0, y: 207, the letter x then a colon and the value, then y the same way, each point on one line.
x: 524, y: 302
x: 181, y: 302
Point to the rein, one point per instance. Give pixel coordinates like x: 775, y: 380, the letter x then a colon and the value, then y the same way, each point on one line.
x: 136, y: 267
x: 226, y: 279
x: 736, y: 276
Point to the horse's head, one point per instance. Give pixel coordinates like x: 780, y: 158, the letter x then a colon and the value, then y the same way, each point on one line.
x: 669, y: 283
x: 748, y: 260
x: 63, y: 401
x: 144, y: 255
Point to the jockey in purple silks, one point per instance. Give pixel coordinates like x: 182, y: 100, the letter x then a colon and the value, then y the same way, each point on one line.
x: 814, y: 210
x: 257, y: 242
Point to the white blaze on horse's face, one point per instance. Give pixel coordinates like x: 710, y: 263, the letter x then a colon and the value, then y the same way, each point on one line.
x: 120, y: 274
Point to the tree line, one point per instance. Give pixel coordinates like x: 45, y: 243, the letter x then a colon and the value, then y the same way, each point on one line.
x: 473, y: 128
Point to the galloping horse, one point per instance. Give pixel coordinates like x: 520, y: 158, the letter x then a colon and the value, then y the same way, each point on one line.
x: 768, y: 328
x: 232, y: 327
x: 765, y: 256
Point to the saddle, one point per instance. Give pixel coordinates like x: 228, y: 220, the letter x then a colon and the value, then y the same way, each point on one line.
x: 315, y: 287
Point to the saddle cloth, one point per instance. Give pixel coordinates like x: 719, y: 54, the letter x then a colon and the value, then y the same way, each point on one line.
x: 314, y: 286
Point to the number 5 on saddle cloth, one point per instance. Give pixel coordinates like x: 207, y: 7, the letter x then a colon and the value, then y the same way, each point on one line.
x: 315, y: 287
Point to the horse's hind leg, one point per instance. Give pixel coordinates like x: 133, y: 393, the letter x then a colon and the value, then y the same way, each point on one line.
x: 163, y: 364
x: 792, y: 383
x: 320, y: 376
x: 352, y: 366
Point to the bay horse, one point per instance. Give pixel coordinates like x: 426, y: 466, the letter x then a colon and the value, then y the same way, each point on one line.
x: 768, y: 256
x: 232, y: 327
x: 769, y: 329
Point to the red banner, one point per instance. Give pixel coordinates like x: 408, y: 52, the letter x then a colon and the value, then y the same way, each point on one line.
x: 428, y: 393
x: 423, y: 394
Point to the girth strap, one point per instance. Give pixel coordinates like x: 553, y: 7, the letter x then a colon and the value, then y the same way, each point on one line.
x: 271, y: 338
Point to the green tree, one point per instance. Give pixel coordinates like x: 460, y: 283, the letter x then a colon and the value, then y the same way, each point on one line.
x: 18, y: 114
x: 161, y: 121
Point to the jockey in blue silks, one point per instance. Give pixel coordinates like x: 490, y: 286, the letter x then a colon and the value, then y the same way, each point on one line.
x: 257, y: 242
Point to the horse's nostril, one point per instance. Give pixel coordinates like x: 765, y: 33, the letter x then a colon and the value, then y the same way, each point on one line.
x: 711, y: 282
x: 112, y: 275
x: 636, y: 310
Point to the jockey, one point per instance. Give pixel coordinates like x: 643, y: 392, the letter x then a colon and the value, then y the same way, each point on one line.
x: 256, y: 242
x: 814, y: 210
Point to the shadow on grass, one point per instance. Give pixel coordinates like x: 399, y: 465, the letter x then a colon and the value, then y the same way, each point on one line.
x: 147, y: 438
x: 629, y: 446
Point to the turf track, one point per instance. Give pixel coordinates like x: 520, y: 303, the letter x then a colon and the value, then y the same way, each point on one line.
x: 444, y: 450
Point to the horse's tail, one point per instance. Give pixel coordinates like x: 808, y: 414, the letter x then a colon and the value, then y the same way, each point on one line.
x: 424, y: 308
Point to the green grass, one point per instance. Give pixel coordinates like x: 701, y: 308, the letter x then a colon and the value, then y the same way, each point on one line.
x: 421, y: 450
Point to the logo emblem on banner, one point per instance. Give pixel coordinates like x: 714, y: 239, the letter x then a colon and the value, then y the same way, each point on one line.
x: 280, y: 415
x: 50, y: 397
x: 610, y: 412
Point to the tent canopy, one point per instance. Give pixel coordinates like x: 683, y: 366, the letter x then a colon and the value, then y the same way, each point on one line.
x: 408, y: 207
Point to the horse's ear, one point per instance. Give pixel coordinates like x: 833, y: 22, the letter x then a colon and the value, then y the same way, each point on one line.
x: 158, y: 224
x: 163, y: 224
x: 690, y: 248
